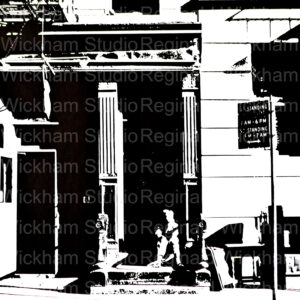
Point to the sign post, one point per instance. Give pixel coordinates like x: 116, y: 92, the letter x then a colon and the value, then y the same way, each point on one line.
x: 273, y: 142
x: 257, y: 129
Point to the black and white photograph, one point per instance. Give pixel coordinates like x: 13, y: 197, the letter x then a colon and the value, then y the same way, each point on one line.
x: 150, y: 148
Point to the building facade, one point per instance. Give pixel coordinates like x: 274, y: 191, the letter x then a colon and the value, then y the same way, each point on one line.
x: 107, y: 111
x: 119, y: 137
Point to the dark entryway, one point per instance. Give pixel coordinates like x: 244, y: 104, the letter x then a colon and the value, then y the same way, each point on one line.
x: 153, y: 150
x: 36, y: 213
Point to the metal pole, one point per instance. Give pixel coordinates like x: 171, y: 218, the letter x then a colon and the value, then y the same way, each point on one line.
x: 43, y: 28
x: 56, y: 213
x: 272, y: 122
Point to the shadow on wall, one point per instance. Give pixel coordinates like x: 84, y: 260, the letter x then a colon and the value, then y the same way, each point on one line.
x: 276, y: 71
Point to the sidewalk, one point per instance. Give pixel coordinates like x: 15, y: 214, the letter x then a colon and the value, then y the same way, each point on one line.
x: 232, y: 294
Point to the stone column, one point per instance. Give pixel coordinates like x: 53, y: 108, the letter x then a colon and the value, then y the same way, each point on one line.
x: 190, y: 161
x: 189, y: 90
x: 111, y: 153
x: 107, y: 95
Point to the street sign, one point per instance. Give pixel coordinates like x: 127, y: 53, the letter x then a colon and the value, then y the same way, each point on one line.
x: 253, y: 124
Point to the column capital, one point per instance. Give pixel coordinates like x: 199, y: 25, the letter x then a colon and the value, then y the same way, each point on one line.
x: 107, y: 86
x: 189, y: 82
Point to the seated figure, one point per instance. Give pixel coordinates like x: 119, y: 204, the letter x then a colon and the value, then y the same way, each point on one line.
x: 167, y: 242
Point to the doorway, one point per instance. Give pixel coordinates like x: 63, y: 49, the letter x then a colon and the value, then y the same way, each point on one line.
x: 36, y: 212
x: 153, y: 167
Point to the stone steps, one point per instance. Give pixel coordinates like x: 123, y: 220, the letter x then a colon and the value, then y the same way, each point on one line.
x: 128, y: 277
x: 119, y: 280
x: 148, y: 289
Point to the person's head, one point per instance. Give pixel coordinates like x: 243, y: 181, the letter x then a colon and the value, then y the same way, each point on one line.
x: 103, y: 219
x: 158, y: 231
x: 169, y: 214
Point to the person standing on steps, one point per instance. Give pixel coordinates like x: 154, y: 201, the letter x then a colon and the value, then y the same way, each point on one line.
x: 171, y: 234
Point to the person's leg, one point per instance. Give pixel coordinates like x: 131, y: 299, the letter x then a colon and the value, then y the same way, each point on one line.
x: 176, y: 250
x: 100, y: 251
